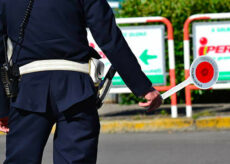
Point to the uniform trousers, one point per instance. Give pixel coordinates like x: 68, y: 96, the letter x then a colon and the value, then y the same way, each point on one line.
x: 75, y: 140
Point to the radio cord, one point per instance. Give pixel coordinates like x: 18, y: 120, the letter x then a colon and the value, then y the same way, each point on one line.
x: 22, y: 29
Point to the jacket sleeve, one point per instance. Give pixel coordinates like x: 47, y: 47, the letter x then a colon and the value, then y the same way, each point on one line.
x: 101, y: 22
x: 4, y: 102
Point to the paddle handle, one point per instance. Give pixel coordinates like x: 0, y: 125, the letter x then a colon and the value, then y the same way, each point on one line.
x: 176, y: 88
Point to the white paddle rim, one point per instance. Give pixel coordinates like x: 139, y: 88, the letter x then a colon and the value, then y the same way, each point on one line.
x: 193, y: 69
x: 193, y: 76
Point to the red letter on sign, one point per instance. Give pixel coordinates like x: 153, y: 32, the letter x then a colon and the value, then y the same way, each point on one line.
x: 220, y: 49
x: 102, y: 55
x: 227, y: 48
x: 92, y: 45
x: 210, y: 48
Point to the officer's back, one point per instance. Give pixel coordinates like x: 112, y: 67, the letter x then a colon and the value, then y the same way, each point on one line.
x: 56, y: 30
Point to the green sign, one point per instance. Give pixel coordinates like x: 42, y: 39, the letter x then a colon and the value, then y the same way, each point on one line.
x: 148, y: 45
x: 145, y: 57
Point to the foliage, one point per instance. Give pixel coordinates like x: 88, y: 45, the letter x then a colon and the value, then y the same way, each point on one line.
x: 205, y: 113
x: 129, y: 99
x: 177, y: 11
x: 163, y: 112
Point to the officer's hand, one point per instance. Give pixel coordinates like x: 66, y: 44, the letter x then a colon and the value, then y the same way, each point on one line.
x: 154, y: 100
x: 4, y: 125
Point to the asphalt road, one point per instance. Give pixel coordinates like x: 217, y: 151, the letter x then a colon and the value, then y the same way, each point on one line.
x: 194, y: 147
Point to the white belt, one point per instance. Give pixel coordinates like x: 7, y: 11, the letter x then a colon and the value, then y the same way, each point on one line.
x: 53, y: 65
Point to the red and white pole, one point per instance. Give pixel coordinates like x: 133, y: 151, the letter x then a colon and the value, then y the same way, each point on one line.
x: 174, y: 112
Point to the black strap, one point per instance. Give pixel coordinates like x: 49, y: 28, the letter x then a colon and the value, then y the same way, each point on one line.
x: 22, y: 29
x: 10, y: 73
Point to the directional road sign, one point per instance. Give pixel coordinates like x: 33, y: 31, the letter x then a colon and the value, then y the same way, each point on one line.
x: 147, y: 43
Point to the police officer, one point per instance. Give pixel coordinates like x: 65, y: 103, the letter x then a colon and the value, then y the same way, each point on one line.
x: 57, y: 30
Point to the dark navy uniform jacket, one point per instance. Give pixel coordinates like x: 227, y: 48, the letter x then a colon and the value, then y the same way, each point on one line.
x: 57, y: 30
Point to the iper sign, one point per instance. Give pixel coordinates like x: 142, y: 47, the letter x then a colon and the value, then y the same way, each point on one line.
x: 207, y: 49
x: 213, y: 39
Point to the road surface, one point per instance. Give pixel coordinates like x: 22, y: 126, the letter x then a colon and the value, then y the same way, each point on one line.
x: 196, y: 147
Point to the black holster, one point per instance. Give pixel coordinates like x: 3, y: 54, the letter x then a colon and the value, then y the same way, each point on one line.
x: 10, y: 76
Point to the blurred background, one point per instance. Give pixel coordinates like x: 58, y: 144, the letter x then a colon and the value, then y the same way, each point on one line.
x: 130, y: 135
x: 177, y: 12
